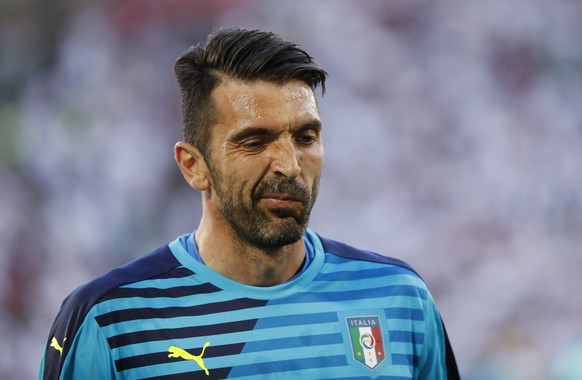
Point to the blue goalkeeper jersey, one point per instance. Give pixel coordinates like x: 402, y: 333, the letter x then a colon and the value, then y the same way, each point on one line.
x: 349, y: 314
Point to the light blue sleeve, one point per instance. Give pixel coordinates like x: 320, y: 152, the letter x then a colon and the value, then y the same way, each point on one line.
x: 89, y: 356
x: 41, y: 370
x: 432, y: 363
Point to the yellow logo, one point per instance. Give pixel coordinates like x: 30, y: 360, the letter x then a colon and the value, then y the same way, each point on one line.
x: 177, y: 352
x: 56, y: 345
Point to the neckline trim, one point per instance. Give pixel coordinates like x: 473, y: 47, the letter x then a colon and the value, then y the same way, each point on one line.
x: 292, y: 286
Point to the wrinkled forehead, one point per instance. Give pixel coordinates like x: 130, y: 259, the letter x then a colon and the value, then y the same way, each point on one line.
x: 264, y: 102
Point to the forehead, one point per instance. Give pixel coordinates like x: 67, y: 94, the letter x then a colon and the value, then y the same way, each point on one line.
x: 267, y: 104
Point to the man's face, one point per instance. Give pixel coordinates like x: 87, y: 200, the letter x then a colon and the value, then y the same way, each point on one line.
x: 265, y: 159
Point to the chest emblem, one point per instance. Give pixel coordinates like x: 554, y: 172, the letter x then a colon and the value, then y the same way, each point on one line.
x: 366, y: 340
x: 177, y: 352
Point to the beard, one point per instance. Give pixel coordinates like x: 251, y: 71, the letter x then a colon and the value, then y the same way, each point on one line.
x: 267, y: 227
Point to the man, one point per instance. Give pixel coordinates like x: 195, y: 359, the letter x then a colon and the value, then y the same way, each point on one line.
x: 252, y: 293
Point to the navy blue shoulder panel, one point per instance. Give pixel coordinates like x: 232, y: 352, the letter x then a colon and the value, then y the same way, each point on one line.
x: 153, y: 264
x: 76, y: 306
x: 349, y: 252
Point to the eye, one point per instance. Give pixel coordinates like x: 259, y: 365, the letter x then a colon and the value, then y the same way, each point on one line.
x: 254, y: 145
x: 306, y: 137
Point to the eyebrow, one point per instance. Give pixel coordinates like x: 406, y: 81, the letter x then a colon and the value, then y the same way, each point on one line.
x: 249, y: 132
x: 262, y: 131
x: 315, y: 125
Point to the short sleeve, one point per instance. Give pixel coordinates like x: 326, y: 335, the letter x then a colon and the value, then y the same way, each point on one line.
x: 432, y: 363
x: 87, y: 357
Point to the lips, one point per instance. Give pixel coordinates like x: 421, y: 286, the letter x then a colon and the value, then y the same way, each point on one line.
x: 280, y: 202
x: 282, y: 197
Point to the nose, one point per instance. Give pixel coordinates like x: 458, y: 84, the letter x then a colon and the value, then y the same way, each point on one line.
x: 285, y: 160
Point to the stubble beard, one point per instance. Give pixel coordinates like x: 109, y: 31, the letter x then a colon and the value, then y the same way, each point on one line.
x: 264, y: 228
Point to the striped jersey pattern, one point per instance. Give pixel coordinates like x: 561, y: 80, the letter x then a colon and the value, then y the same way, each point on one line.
x: 350, y: 314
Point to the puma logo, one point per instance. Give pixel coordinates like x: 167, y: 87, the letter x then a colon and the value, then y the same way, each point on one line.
x: 177, y: 352
x: 56, y: 345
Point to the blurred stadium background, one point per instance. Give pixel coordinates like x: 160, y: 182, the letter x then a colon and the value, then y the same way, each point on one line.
x: 453, y: 134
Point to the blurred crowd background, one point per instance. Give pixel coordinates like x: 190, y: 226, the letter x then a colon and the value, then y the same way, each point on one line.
x: 453, y: 134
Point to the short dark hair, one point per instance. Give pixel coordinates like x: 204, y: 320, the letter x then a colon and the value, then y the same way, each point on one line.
x: 242, y: 54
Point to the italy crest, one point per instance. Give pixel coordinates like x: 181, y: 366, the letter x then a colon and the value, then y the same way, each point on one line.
x: 366, y: 340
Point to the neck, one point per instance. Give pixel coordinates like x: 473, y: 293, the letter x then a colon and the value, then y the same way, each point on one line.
x: 225, y: 253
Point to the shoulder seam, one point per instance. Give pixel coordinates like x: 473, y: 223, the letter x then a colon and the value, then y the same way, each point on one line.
x: 346, y: 251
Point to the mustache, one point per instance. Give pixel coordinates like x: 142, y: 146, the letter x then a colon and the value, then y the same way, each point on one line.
x: 284, y: 188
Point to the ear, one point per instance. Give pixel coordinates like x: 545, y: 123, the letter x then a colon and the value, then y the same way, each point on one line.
x: 192, y: 165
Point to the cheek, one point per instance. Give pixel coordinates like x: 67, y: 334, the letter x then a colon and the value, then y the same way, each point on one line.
x: 313, y: 162
x: 240, y: 179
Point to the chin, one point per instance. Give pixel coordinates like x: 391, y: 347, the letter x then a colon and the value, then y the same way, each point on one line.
x: 276, y: 239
